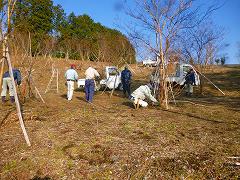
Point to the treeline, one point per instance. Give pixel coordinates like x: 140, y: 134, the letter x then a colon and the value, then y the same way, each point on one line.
x: 51, y: 32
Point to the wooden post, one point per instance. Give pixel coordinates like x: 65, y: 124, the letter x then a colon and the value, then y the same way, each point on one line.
x: 1, y: 73
x: 15, y: 94
x: 3, y: 64
x: 38, y: 93
x: 49, y: 83
x: 57, y: 80
x: 105, y: 86
x: 54, y: 75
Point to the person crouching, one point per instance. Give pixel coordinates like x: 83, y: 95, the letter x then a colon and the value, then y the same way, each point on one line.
x: 140, y: 94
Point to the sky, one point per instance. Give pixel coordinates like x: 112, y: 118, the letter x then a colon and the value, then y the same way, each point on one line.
x: 108, y: 13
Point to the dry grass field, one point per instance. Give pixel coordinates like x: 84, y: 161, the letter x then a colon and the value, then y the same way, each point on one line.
x: 109, y: 139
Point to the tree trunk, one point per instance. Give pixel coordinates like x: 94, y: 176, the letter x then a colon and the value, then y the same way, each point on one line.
x: 163, y: 86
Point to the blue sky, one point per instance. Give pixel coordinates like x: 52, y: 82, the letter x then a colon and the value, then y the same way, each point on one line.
x: 108, y: 12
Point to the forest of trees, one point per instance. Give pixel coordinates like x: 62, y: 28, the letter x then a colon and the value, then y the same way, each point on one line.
x: 54, y: 33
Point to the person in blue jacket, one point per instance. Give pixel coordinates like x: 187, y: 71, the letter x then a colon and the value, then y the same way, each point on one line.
x: 8, y: 84
x: 190, y: 82
x: 126, y: 77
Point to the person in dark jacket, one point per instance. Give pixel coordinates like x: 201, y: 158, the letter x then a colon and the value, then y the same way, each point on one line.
x: 126, y: 77
x: 8, y: 84
x: 190, y: 82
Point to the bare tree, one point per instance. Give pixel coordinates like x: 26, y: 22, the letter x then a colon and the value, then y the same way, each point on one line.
x: 157, y: 25
x: 201, y: 45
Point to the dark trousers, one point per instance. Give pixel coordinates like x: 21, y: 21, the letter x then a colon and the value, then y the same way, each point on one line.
x: 89, y: 89
x: 126, y: 88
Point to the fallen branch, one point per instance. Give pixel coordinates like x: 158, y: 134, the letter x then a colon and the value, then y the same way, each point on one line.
x: 233, y: 157
x: 188, y: 102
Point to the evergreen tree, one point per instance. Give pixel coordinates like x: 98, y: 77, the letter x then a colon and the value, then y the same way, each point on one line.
x: 59, y: 20
x: 35, y: 17
x: 78, y: 36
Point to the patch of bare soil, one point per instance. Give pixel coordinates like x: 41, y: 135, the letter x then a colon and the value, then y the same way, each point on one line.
x: 109, y: 139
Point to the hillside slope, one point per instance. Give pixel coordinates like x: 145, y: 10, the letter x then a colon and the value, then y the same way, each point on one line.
x: 110, y: 140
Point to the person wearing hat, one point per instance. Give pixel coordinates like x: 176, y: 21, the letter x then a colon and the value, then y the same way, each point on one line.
x: 126, y: 77
x: 140, y: 94
x: 8, y: 84
x: 190, y: 82
x: 90, y: 74
x: 71, y: 76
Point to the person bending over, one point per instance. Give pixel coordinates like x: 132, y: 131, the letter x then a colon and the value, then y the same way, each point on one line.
x: 8, y: 84
x: 140, y: 94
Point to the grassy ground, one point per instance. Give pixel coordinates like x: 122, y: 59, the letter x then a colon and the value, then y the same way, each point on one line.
x: 110, y: 140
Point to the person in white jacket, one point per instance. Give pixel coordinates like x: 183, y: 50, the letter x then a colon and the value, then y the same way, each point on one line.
x: 142, y: 93
x: 71, y: 76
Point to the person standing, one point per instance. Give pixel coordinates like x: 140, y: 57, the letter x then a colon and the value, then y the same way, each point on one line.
x: 8, y: 84
x: 71, y: 76
x: 190, y: 82
x: 140, y: 94
x: 126, y: 77
x: 90, y: 74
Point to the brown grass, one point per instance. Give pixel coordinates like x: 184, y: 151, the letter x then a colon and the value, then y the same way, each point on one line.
x: 111, y: 140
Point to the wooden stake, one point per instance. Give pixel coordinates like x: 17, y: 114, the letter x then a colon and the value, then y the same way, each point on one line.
x: 209, y: 81
x: 1, y: 73
x: 48, y: 86
x: 105, y: 86
x: 129, y: 66
x: 38, y: 93
x: 57, y: 79
x: 212, y: 83
x: 3, y: 64
x: 15, y: 94
x: 36, y: 90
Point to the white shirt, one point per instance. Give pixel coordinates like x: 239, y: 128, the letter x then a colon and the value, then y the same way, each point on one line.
x: 91, y: 73
x: 71, y: 74
x: 142, y: 93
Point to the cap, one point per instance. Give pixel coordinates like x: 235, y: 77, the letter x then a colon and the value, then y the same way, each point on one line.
x: 73, y: 66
